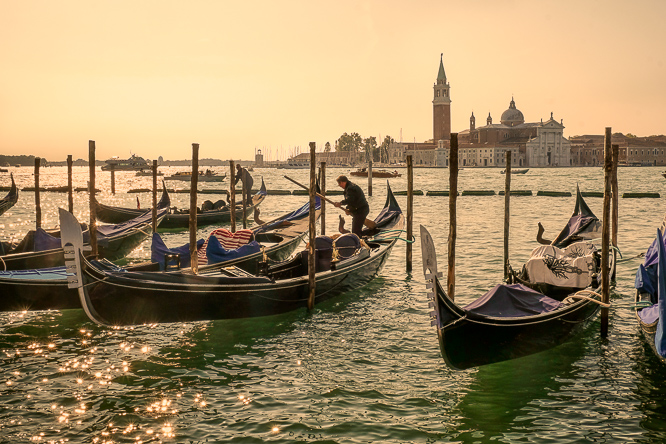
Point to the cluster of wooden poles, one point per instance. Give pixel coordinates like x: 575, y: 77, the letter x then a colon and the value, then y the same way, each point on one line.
x: 611, y: 153
x: 232, y: 204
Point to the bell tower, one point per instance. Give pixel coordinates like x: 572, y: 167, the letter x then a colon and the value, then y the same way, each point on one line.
x: 441, y: 105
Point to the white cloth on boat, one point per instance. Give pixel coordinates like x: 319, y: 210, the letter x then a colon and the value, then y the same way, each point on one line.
x: 563, y: 267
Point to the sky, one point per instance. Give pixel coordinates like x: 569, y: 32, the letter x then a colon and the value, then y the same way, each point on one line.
x: 152, y: 77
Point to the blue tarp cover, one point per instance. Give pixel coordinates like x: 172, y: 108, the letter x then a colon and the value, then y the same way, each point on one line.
x: 515, y: 300
x: 660, y: 337
x: 216, y: 253
x: 297, y: 214
x: 159, y: 249
x: 44, y: 241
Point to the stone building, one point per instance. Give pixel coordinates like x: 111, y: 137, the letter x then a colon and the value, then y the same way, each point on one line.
x: 588, y: 150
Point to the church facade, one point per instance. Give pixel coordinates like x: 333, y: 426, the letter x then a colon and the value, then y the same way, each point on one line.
x: 532, y: 144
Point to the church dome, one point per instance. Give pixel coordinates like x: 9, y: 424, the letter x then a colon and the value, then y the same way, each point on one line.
x: 512, y: 116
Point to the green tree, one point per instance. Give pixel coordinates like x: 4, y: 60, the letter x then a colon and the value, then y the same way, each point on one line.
x: 350, y: 143
x: 370, y: 147
x: 327, y: 147
x: 384, y: 147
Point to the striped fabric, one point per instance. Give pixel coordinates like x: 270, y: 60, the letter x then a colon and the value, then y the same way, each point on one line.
x: 228, y: 240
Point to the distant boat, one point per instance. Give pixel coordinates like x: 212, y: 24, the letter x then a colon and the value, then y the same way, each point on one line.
x: 363, y: 172
x: 663, y: 173
x: 148, y: 173
x: 523, y: 171
x: 134, y: 163
x: 207, y: 176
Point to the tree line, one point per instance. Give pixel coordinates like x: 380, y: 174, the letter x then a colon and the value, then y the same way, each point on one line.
x: 354, y: 143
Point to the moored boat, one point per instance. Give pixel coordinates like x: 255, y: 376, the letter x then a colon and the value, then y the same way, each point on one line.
x: 517, y: 171
x: 650, y: 299
x: 363, y: 172
x: 208, y: 214
x: 204, y: 176
x: 553, y: 298
x: 10, y: 199
x: 46, y: 288
x: 127, y: 298
x: 42, y: 249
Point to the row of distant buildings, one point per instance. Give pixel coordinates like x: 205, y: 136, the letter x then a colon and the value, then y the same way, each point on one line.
x: 532, y: 144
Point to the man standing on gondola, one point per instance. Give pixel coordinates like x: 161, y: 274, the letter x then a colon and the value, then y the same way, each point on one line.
x: 244, y: 176
x: 357, y: 205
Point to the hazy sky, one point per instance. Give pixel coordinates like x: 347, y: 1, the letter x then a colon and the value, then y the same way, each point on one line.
x: 152, y: 77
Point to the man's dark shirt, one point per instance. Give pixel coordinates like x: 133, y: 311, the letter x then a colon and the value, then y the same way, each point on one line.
x: 354, y: 198
x: 245, y: 177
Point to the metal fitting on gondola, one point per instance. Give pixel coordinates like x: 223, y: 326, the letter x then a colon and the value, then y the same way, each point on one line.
x: 262, y: 266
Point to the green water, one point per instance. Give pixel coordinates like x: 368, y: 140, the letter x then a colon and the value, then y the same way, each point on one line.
x: 364, y: 367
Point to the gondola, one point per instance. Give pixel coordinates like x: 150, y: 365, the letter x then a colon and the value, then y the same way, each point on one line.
x: 271, y: 241
x: 208, y: 176
x: 650, y: 297
x: 118, y: 297
x: 363, y: 172
x: 46, y: 289
x: 517, y: 171
x: 514, y: 319
x: 41, y: 249
x: 10, y: 199
x: 119, y: 215
x: 181, y: 219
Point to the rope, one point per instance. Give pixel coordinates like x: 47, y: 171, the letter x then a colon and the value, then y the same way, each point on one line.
x: 4, y: 265
x: 641, y: 305
x: 619, y: 261
x: 581, y: 295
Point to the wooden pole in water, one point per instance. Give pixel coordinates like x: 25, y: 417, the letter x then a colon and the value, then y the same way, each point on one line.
x: 322, y: 186
x: 232, y: 195
x: 312, y: 263
x: 370, y: 177
x: 70, y: 190
x: 410, y: 213
x: 194, y: 259
x: 92, y: 228
x: 453, y: 196
x: 154, y: 196
x: 38, y: 203
x: 507, y: 213
x: 244, y: 203
x: 605, y: 235
x: 113, y: 179
x: 614, y: 190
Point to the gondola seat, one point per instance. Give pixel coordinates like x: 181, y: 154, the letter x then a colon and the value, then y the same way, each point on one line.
x: 514, y: 300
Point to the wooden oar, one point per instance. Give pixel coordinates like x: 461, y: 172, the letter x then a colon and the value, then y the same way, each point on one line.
x: 368, y: 222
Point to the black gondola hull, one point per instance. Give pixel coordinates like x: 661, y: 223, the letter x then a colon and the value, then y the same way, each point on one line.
x: 43, y: 295
x: 154, y: 302
x: 468, y: 341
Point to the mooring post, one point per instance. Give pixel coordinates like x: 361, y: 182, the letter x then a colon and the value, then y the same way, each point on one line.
x: 38, y: 203
x: 70, y: 190
x: 154, y: 196
x: 410, y: 214
x: 507, y: 213
x: 322, y: 186
x: 113, y: 179
x: 370, y: 177
x: 453, y: 196
x: 243, y: 190
x: 194, y: 183
x: 614, y: 192
x: 91, y: 198
x: 605, y: 235
x: 312, y: 263
x: 232, y: 195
